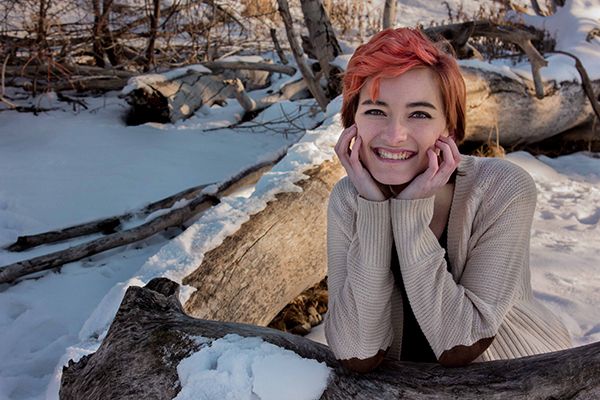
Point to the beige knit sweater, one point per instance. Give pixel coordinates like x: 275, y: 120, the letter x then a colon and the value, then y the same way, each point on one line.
x: 486, y: 294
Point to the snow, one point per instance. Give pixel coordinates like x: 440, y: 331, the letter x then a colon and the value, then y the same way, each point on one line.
x: 248, y: 368
x: 67, y: 167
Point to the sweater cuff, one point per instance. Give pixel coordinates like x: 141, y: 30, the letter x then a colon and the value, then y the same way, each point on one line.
x: 410, y: 221
x: 374, y: 230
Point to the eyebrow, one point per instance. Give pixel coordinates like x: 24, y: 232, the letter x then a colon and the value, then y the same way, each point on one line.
x: 414, y: 104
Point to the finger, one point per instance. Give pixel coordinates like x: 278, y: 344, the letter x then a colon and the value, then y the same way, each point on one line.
x: 343, y: 144
x: 354, y: 155
x: 448, y: 158
x: 455, y: 152
x: 433, y: 166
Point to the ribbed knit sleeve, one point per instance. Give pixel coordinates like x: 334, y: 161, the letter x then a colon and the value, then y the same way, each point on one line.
x: 454, y: 313
x: 360, y: 282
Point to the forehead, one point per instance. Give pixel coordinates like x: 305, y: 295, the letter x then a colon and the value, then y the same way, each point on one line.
x: 415, y: 85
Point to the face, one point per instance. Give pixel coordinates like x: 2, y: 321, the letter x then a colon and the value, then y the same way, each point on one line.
x: 397, y: 129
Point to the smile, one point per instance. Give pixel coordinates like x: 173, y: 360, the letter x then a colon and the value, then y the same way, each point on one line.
x: 386, y: 155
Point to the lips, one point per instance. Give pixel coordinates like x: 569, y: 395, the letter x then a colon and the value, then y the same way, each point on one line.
x: 396, y: 155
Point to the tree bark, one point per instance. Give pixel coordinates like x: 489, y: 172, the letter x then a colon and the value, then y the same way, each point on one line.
x: 175, y: 217
x: 321, y: 34
x: 151, y: 334
x: 278, y: 48
x: 311, y: 81
x: 389, y: 14
x: 272, y: 258
x: 154, y: 17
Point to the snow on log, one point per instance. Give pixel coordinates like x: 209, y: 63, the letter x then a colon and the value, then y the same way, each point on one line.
x: 271, y: 259
x: 151, y: 334
x: 509, y: 100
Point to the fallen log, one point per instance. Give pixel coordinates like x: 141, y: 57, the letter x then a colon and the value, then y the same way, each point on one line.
x: 179, y: 98
x: 170, y: 101
x: 105, y: 225
x: 272, y: 258
x: 151, y: 334
x: 10, y: 273
x: 522, y: 118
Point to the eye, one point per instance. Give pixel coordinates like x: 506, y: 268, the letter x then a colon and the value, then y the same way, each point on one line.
x: 375, y: 112
x: 420, y: 115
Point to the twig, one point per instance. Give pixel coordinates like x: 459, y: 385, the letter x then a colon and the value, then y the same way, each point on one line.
x: 3, y: 88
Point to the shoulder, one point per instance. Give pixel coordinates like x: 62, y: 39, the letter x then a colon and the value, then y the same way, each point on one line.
x: 497, y: 177
x: 343, y: 199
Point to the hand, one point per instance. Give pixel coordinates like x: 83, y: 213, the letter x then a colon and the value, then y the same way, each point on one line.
x: 361, y: 178
x: 436, y: 175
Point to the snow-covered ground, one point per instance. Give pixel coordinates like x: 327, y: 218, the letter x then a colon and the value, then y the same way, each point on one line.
x: 66, y: 167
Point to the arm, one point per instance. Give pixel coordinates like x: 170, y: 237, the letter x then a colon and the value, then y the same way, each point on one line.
x: 461, y: 320
x: 359, y: 246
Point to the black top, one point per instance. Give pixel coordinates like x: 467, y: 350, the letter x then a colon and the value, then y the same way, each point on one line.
x: 415, y: 346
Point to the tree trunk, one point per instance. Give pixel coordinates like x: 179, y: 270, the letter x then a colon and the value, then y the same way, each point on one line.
x: 311, y: 81
x: 389, y: 14
x: 271, y: 259
x: 154, y: 17
x: 151, y: 334
x: 321, y: 34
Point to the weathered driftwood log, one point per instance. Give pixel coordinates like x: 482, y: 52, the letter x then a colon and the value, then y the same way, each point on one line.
x: 170, y: 101
x: 249, y: 104
x: 179, y: 98
x: 174, y: 217
x: 272, y: 258
x: 522, y: 118
x: 151, y: 334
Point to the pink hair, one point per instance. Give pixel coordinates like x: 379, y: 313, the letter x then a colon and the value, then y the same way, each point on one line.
x: 392, y: 52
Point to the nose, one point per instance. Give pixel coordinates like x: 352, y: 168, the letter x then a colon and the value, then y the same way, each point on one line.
x: 396, y: 132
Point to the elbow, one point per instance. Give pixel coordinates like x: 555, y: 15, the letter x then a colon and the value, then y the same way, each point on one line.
x: 461, y: 356
x: 366, y: 365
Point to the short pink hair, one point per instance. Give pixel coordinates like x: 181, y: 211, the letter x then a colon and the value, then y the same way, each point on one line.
x: 392, y: 52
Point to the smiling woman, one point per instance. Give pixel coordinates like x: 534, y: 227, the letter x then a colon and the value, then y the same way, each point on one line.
x: 428, y: 251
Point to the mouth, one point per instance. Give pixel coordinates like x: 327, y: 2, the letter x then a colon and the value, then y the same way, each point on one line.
x: 388, y: 155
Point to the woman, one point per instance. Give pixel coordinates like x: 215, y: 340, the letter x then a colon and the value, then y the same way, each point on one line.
x: 428, y: 250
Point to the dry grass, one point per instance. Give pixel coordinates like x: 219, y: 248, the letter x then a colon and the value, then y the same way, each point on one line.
x: 304, y: 312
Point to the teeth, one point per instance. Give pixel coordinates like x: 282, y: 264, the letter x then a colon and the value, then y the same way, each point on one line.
x: 393, y: 156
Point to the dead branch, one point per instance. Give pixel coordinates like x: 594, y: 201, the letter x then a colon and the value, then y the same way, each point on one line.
x: 585, y: 81
x: 237, y: 88
x: 278, y: 48
x: 489, y: 29
x: 105, y: 225
x: 175, y: 217
x: 282, y: 69
x: 151, y: 334
x: 3, y: 87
